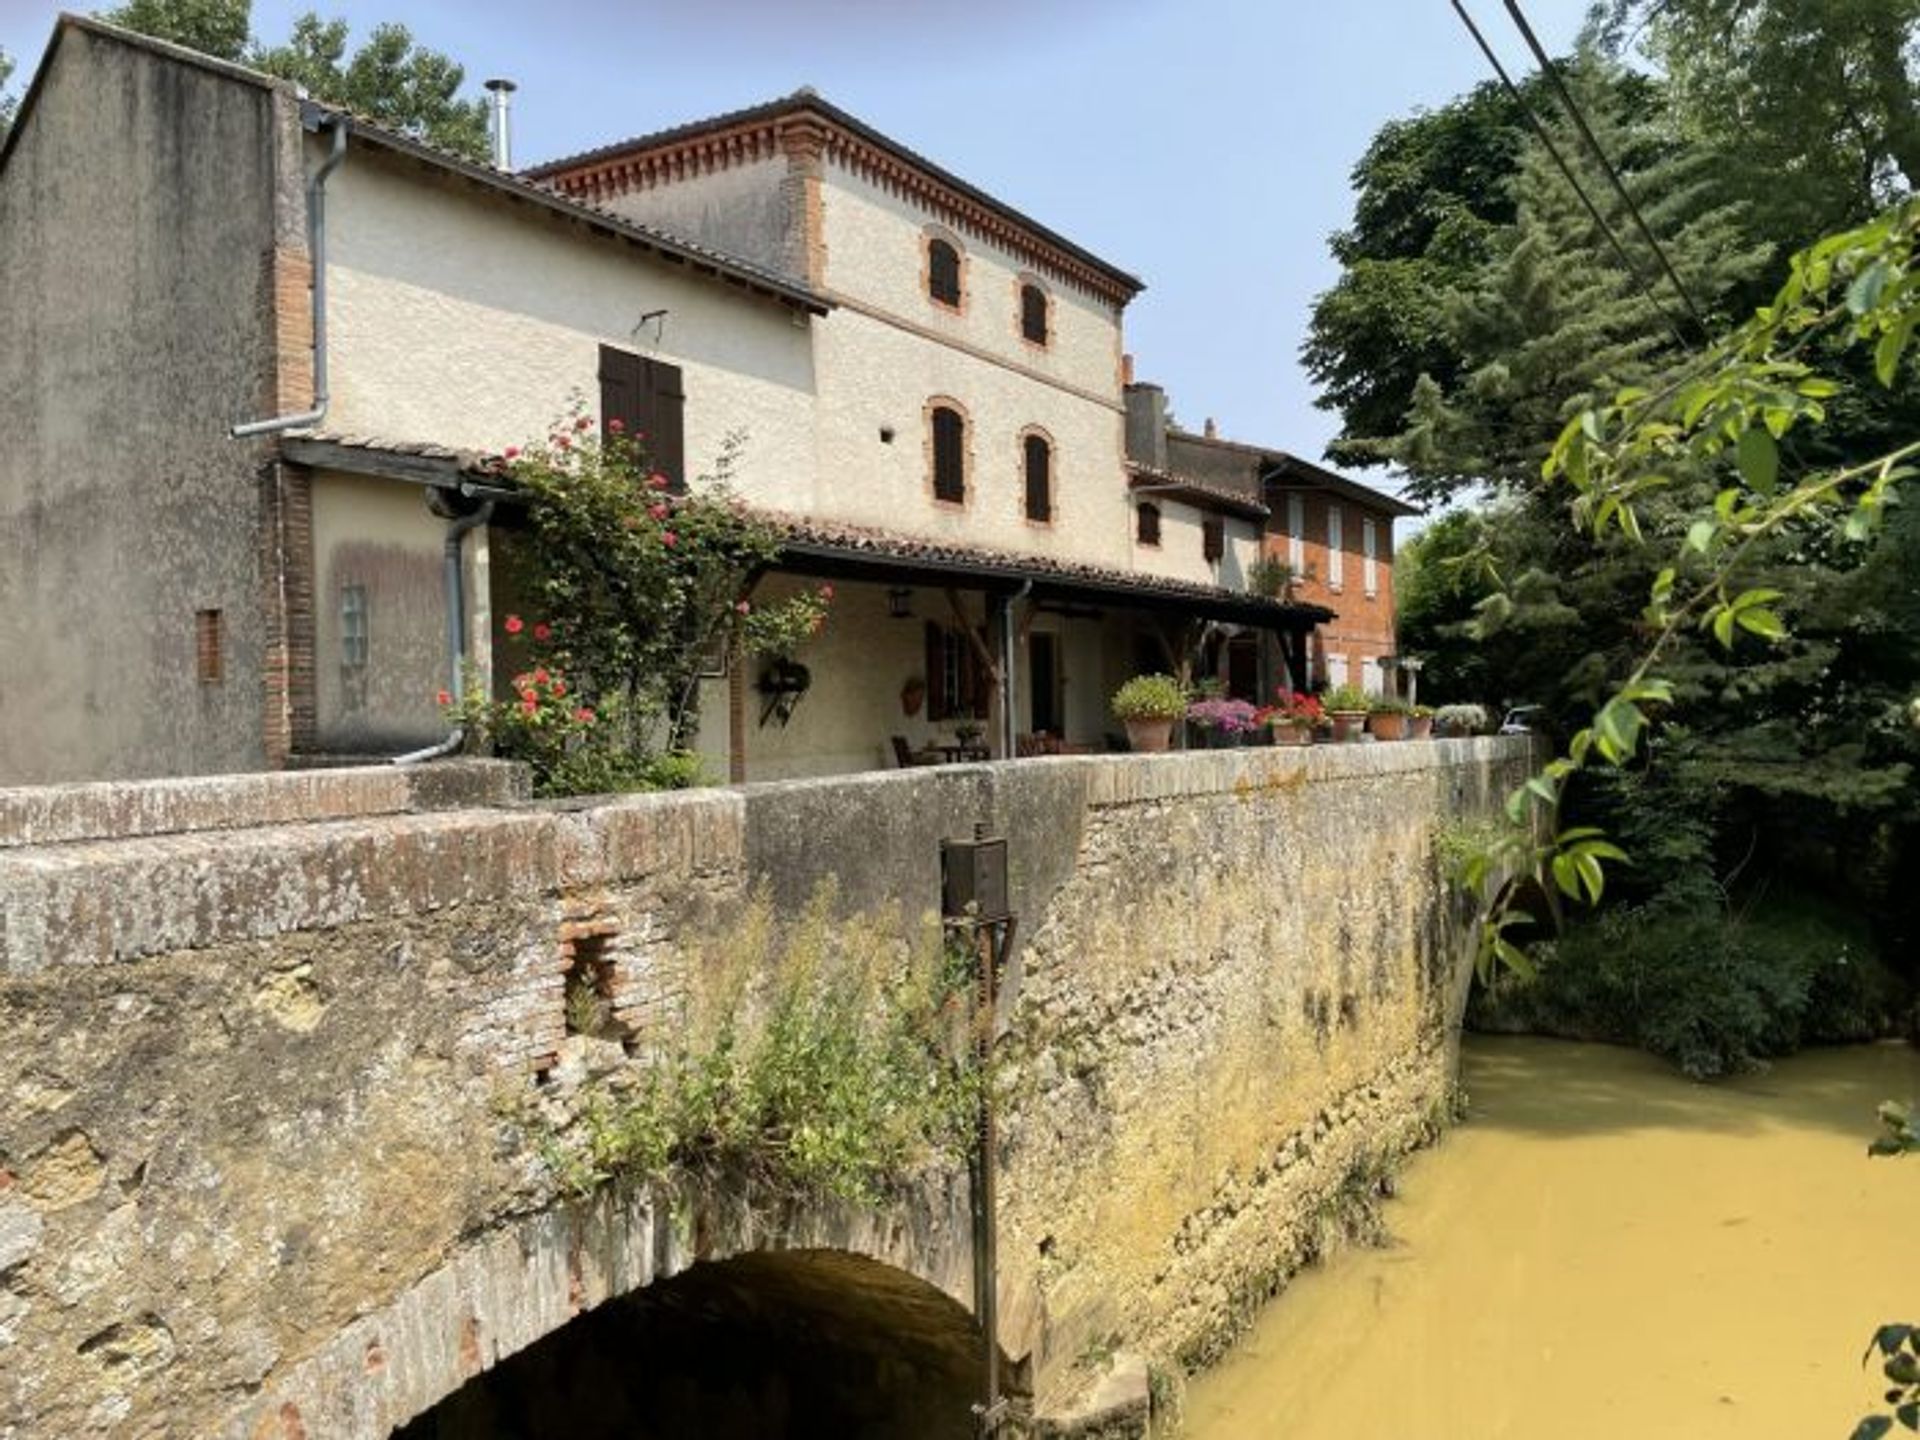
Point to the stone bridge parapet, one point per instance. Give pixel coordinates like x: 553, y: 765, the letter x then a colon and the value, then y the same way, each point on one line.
x: 254, y: 1175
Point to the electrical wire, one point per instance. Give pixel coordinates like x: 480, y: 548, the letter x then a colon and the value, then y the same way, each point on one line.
x: 1567, y: 103
x: 1553, y: 151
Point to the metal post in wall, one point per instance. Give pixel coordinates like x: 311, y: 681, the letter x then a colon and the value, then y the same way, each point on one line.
x: 973, y: 884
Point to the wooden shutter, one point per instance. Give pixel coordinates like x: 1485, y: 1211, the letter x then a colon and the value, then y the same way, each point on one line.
x: 1149, y: 517
x: 949, y: 456
x: 648, y: 398
x: 1033, y: 313
x: 1213, y: 538
x: 943, y: 272
x: 1039, y: 479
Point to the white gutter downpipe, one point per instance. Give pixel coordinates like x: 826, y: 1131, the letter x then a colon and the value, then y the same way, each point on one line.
x: 317, y: 254
x: 456, y: 593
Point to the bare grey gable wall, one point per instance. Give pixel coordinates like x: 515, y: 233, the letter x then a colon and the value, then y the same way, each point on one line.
x: 135, y: 212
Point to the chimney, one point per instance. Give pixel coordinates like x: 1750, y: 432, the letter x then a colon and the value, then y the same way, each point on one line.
x: 1126, y: 369
x: 1212, y: 432
x: 501, y: 93
x: 1147, y: 425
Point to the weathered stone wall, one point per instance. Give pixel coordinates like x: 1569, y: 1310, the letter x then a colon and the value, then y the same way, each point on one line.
x: 255, y: 1178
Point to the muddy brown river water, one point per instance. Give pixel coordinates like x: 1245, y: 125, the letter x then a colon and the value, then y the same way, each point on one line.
x: 1606, y: 1251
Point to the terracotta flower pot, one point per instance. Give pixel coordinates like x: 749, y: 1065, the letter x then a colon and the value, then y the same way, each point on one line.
x: 1387, y: 725
x: 1348, y: 725
x: 1150, y: 737
x: 1419, y: 727
x: 1292, y: 732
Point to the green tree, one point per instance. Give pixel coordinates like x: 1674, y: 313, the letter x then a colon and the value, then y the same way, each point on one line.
x: 1432, y: 192
x: 390, y: 79
x: 220, y: 28
x: 8, y: 105
x: 1813, y: 102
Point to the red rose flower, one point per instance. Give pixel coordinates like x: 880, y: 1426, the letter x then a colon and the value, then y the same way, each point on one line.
x: 529, y: 706
x: 543, y: 632
x: 743, y: 607
x: 565, y: 442
x: 616, y: 425
x: 583, y: 422
x: 583, y: 715
x: 668, y: 538
x: 559, y: 687
x: 826, y: 592
x: 658, y: 481
x: 529, y: 699
x: 512, y: 452
x: 444, y: 698
x: 540, y: 676
x: 658, y: 512
x: 515, y: 625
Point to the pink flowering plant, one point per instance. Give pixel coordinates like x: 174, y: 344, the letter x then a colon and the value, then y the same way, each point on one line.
x: 1225, y: 717
x: 638, y: 582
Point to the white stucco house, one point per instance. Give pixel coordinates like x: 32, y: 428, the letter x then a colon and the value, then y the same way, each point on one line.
x: 932, y: 387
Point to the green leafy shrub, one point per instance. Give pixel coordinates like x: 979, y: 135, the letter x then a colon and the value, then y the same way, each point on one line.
x: 1350, y: 698
x: 833, y: 1059
x: 1713, y: 991
x: 1150, y: 697
x: 1388, y: 705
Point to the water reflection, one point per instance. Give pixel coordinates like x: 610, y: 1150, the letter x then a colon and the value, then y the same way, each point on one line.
x: 1605, y: 1250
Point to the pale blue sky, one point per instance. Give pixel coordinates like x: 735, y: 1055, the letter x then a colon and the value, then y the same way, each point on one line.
x: 1204, y: 146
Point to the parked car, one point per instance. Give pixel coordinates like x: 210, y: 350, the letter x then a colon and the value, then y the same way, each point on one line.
x: 1519, y: 720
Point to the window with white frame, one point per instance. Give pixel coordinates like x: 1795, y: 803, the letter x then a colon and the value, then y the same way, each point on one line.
x: 1297, y: 534
x: 1336, y: 558
x: 1370, y: 555
x: 1336, y: 669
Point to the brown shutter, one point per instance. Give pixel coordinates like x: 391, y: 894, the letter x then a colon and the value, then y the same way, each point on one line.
x: 1033, y: 313
x: 647, y: 398
x: 622, y: 389
x: 666, y: 421
x: 949, y: 456
x: 937, y: 701
x: 1213, y: 538
x: 1039, y: 479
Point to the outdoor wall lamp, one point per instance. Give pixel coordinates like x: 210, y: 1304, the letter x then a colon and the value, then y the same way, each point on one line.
x: 900, y: 603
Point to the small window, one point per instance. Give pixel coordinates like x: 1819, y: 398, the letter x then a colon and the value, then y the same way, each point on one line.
x: 1033, y: 313
x: 943, y: 272
x: 353, y: 627
x: 949, y: 455
x: 1149, y: 524
x: 209, y: 662
x: 1213, y: 538
x: 1039, y: 458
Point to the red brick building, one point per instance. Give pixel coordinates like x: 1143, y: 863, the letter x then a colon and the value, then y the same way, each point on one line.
x: 1334, y: 534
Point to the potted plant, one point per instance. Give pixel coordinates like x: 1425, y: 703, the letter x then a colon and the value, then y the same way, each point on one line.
x: 1387, y: 717
x: 1458, y: 720
x: 1223, y: 723
x: 1148, y: 705
x: 1419, y: 722
x: 1293, y: 717
x: 1346, y: 706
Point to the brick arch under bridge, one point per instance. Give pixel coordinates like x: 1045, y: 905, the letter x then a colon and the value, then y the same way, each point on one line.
x: 906, y: 1269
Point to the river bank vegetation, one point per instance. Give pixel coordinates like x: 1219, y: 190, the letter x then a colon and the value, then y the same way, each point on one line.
x: 1716, y: 545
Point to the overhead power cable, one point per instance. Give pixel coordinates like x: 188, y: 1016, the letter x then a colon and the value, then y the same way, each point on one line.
x: 1553, y: 152
x: 1567, y: 102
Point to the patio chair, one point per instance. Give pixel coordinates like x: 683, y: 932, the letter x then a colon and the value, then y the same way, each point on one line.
x: 907, y: 757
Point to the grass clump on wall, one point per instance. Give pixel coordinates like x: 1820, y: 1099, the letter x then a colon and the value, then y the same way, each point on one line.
x: 828, y: 1058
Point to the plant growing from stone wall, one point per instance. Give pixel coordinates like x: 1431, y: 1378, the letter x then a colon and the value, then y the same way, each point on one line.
x: 832, y: 1058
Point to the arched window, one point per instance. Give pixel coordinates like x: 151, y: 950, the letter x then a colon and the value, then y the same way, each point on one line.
x: 1039, y: 469
x: 943, y: 272
x: 1149, y: 524
x: 1033, y: 313
x: 949, y: 454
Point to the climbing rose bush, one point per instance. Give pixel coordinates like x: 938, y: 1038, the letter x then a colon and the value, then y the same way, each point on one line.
x: 634, y: 587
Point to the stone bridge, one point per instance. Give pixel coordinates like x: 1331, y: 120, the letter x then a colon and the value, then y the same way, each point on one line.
x: 265, y: 1036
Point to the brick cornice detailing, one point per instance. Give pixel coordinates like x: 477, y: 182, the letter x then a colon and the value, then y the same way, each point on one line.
x: 806, y: 138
